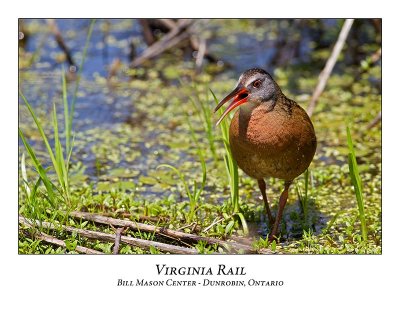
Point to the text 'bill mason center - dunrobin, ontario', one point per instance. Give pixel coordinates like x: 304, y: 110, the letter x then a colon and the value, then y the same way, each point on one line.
x: 220, y: 270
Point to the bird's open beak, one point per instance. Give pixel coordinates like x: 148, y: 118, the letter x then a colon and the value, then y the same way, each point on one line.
x: 239, y: 95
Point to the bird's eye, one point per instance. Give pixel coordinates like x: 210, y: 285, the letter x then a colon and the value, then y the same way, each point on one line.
x: 257, y: 83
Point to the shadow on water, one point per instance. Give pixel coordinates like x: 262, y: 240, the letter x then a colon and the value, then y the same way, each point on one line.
x: 294, y: 221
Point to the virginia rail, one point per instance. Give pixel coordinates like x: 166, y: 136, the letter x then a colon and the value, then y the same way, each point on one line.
x: 270, y: 135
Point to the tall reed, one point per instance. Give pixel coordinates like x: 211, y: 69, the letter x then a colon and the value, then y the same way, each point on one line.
x: 231, y: 169
x: 203, y: 110
x: 303, y: 197
x: 59, y: 156
x: 58, y: 161
x: 357, y: 184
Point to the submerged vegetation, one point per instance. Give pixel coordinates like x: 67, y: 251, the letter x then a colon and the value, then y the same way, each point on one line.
x: 139, y: 143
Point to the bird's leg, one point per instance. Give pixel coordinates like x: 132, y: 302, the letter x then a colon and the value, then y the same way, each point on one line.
x: 261, y: 185
x: 282, y: 203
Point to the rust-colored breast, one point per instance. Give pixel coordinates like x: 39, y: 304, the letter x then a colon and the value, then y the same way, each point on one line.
x: 276, y: 143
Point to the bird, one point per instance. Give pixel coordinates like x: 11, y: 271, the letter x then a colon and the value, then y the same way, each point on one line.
x: 270, y: 135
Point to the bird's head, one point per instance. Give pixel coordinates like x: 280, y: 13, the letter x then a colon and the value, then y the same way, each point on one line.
x: 255, y: 86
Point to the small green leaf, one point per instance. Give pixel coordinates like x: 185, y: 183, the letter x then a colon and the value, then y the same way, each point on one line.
x: 71, y: 244
x: 229, y: 227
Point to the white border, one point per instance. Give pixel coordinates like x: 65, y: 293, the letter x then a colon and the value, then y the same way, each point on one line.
x: 88, y: 281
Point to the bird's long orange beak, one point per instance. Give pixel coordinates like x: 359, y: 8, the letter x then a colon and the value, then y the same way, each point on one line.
x: 239, y: 95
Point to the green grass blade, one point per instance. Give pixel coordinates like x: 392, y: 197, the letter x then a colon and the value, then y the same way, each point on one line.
x: 202, y: 160
x: 235, y: 186
x: 303, y: 198
x: 204, y: 171
x: 214, y: 96
x: 24, y: 176
x: 229, y: 227
x: 357, y: 183
x: 204, y: 115
x: 67, y: 124
x: 63, y: 176
x: 244, y: 223
x: 181, y: 177
x: 206, y: 112
x: 41, y: 171
x: 70, y: 152
x: 80, y: 69
x: 306, y: 177
x: 194, y: 105
x: 57, y: 146
x: 230, y: 163
x: 35, y: 188
x: 42, y: 134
